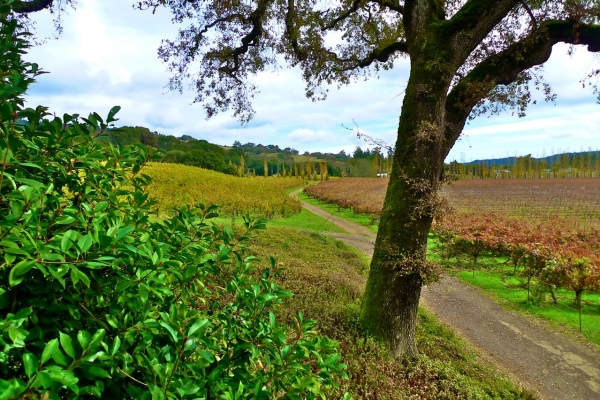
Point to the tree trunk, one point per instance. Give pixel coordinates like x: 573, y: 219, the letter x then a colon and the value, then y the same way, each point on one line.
x: 399, y: 267
x: 578, y: 294
x: 553, y: 294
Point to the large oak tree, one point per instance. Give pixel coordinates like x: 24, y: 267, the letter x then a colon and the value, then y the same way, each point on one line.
x: 466, y: 57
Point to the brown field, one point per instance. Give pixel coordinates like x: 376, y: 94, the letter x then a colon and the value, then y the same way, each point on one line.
x: 538, y: 199
x: 363, y: 195
x: 530, y: 198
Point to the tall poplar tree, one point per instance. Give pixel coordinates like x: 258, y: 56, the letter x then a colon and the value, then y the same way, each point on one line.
x: 467, y: 57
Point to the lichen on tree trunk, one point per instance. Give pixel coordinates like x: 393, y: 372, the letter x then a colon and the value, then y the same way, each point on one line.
x: 399, y: 267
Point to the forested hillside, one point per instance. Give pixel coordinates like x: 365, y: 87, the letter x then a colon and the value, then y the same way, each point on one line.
x: 252, y: 159
x: 184, y: 150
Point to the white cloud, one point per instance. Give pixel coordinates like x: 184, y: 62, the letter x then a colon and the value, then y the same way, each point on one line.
x: 310, y: 137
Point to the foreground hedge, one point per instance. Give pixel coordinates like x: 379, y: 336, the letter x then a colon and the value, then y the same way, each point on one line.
x: 98, y: 299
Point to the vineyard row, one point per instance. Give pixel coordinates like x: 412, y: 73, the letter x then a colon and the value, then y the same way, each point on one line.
x: 557, y: 254
x: 174, y: 185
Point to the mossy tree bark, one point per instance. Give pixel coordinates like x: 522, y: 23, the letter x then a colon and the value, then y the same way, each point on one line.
x: 399, y: 267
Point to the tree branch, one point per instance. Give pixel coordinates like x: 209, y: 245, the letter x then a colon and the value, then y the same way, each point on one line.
x: 26, y: 7
x: 504, y: 68
x: 381, y: 55
x: 250, y: 40
x: 357, y: 4
x: 217, y: 21
x: 473, y: 22
x: 393, y: 5
x: 384, y: 54
x: 526, y: 7
x: 292, y: 32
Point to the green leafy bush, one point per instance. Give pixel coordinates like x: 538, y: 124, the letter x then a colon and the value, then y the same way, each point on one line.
x: 97, y: 299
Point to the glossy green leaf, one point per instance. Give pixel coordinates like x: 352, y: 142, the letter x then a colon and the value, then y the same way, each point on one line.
x: 112, y: 321
x: 74, y: 275
x: 116, y: 345
x: 43, y: 379
x: 9, y: 258
x: 206, y: 355
x: 17, y: 273
x: 97, y: 372
x: 67, y: 344
x: 112, y: 113
x: 171, y: 331
x: 101, y: 206
x: 84, y: 339
x: 199, y: 325
x: 126, y: 230
x: 143, y: 293
x: 59, y: 358
x: 65, y: 220
x: 84, y: 243
x: 97, y: 338
x: 17, y: 251
x: 84, y: 278
x: 67, y: 240
x: 8, y: 243
x: 49, y: 350
x: 31, y: 363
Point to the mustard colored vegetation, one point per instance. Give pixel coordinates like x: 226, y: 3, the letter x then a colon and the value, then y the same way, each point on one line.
x: 174, y: 185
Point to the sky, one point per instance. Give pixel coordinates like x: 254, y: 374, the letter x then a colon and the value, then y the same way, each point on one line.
x: 107, y: 56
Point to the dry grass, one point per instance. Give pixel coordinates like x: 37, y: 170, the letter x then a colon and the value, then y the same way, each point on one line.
x: 362, y: 195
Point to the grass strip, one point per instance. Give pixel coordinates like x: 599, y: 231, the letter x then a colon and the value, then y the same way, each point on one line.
x: 501, y: 282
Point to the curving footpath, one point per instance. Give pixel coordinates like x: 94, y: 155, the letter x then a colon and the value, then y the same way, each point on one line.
x: 546, y: 361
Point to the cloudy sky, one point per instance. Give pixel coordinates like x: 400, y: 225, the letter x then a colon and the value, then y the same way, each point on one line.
x: 107, y: 56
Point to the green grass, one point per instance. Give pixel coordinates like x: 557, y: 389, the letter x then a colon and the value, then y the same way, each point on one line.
x: 498, y: 280
x: 290, y: 190
x: 347, y: 214
x: 306, y: 221
x: 327, y: 278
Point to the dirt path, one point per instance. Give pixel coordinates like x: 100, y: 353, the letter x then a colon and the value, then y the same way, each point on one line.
x: 543, y: 360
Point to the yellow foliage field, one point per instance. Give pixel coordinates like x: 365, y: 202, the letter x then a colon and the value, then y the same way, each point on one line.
x: 175, y: 185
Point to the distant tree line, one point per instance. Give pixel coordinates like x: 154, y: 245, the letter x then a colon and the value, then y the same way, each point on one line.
x: 565, y: 165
